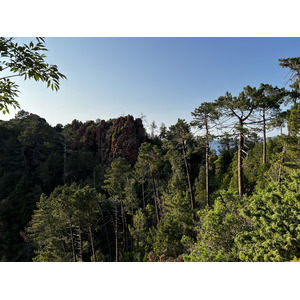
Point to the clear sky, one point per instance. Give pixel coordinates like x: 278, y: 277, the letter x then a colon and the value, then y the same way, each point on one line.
x: 163, y: 78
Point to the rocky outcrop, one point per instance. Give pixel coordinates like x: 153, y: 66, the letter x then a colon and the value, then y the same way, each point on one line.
x: 108, y: 140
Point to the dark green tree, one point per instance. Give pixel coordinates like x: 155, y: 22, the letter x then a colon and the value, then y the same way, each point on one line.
x: 205, y: 117
x: 268, y: 100
x: 117, y: 177
x: 293, y: 63
x: 239, y: 107
x: 62, y: 226
x: 180, y: 134
x: 147, y: 166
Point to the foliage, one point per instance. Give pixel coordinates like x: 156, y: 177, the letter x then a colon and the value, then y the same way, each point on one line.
x: 274, y: 230
x: 60, y: 227
x: 65, y: 197
x: 26, y: 61
x: 218, y: 228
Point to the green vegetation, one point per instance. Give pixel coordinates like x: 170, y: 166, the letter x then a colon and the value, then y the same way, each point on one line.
x: 71, y: 193
x: 26, y: 61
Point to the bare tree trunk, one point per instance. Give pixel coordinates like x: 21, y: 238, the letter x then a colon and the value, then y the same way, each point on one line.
x: 116, y: 229
x: 106, y: 233
x: 155, y: 200
x: 124, y: 228
x: 72, y: 240
x: 159, y: 203
x: 264, y: 138
x: 207, y: 168
x: 281, y: 162
x: 92, y: 243
x: 240, y: 161
x: 80, y: 243
x: 189, y: 180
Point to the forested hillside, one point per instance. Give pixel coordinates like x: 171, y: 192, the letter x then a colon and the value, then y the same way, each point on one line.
x: 110, y: 191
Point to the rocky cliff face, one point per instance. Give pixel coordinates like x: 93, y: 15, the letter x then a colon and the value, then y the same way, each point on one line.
x: 108, y: 140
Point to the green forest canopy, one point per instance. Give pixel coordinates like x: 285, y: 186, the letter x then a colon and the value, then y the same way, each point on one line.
x: 108, y: 191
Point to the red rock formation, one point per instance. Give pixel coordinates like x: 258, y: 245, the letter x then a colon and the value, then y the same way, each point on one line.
x: 108, y: 140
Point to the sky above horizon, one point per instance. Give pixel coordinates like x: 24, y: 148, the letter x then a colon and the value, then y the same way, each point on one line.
x: 161, y: 78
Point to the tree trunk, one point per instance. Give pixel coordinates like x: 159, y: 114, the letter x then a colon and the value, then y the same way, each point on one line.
x: 189, y: 180
x: 264, y: 138
x: 106, y: 233
x: 240, y: 161
x: 116, y: 230
x: 72, y: 240
x: 159, y: 203
x: 124, y: 224
x: 92, y: 243
x: 155, y: 200
x: 281, y: 162
x: 207, y: 168
x: 80, y: 243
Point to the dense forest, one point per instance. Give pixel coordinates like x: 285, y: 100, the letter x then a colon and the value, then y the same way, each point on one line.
x: 108, y: 190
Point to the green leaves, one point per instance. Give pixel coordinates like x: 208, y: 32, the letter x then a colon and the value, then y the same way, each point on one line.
x: 217, y: 231
x: 274, y: 233
x: 68, y: 212
x: 27, y: 61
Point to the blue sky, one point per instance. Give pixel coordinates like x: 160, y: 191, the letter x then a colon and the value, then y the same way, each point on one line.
x: 163, y: 78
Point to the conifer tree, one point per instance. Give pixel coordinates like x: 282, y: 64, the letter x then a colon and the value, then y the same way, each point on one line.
x: 239, y: 107
x: 273, y: 227
x: 63, y: 224
x: 180, y: 134
x: 147, y: 165
x: 205, y: 117
x: 293, y: 63
x: 268, y: 100
x: 117, y: 176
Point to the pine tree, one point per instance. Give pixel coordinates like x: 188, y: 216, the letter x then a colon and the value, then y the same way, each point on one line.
x: 117, y: 176
x: 205, y: 117
x: 273, y: 230
x: 241, y: 108
x: 180, y: 134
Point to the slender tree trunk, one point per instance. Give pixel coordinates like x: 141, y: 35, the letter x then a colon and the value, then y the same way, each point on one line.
x: 189, y: 180
x: 240, y: 161
x: 281, y: 162
x: 92, y: 243
x: 72, y: 240
x: 80, y: 243
x: 264, y: 138
x: 155, y: 200
x: 159, y: 203
x: 143, y: 193
x: 116, y: 229
x: 207, y: 168
x: 124, y: 228
x: 106, y: 233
